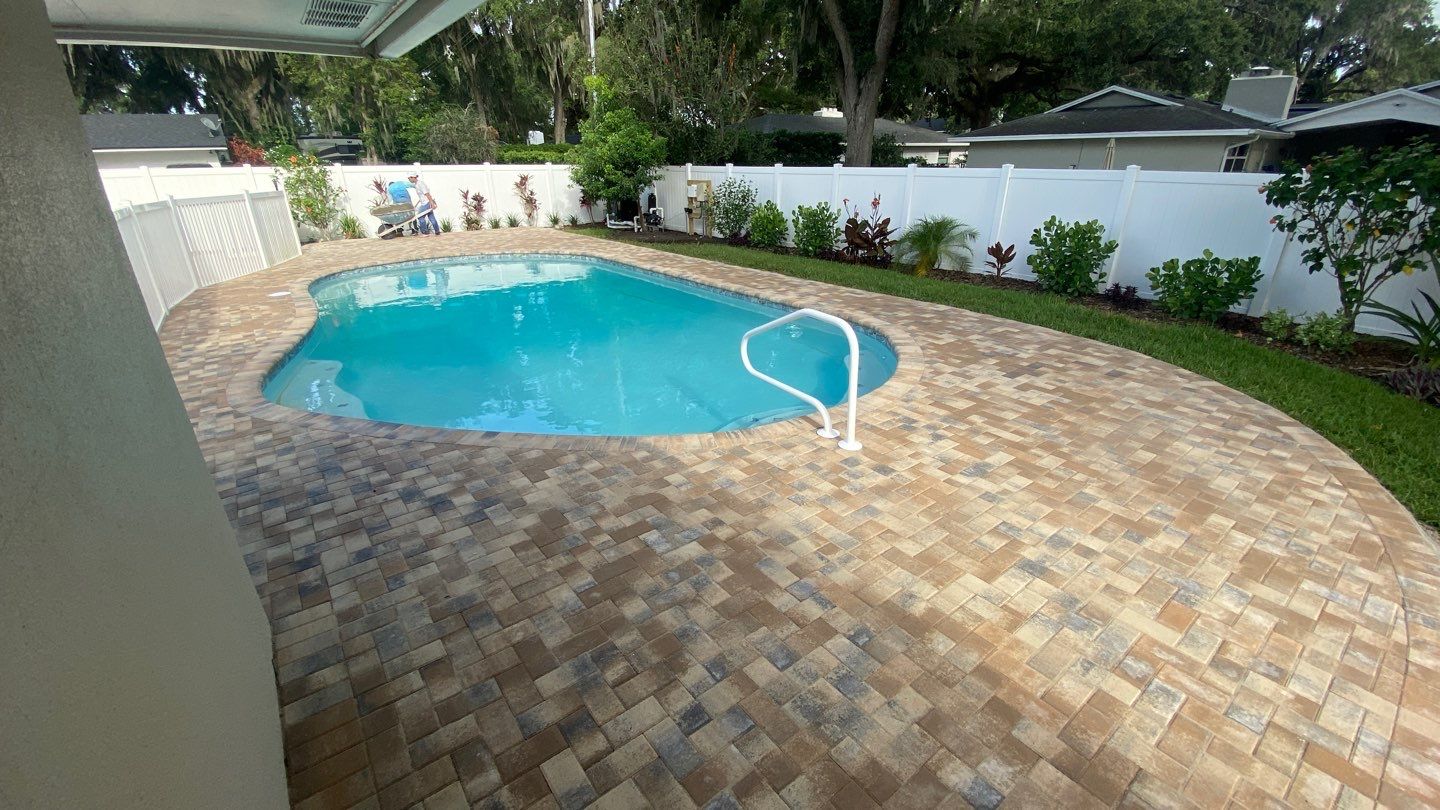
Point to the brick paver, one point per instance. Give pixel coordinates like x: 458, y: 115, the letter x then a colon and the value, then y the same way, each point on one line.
x: 1059, y: 574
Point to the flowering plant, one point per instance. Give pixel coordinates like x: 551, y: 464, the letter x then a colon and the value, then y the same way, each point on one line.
x: 314, y: 198
x: 867, y: 238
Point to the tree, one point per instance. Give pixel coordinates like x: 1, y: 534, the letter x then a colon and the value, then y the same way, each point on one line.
x: 861, y: 75
x: 1365, y: 217
x: 450, y: 135
x: 369, y: 97
x: 548, y: 34
x: 618, y: 155
x: 1330, y: 45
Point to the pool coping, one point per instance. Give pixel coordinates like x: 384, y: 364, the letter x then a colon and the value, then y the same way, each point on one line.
x: 245, y: 390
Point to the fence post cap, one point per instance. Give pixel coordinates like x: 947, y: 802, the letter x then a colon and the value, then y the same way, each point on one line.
x: 729, y: 165
x: 1007, y: 165
x: 837, y: 165
x: 910, y: 165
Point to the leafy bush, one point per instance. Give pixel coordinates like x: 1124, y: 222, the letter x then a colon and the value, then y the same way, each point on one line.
x: 493, y: 222
x: 1068, y: 257
x: 533, y: 153
x: 452, y: 134
x: 932, y: 240
x: 1000, y: 258
x: 1327, y: 332
x: 618, y: 155
x: 732, y: 204
x: 1278, y: 325
x: 472, y: 210
x: 1424, y: 329
x: 1419, y: 381
x: 573, y: 221
x: 885, y: 151
x: 314, y: 199
x: 1126, y: 297
x: 512, y: 221
x: 816, y: 228
x: 554, y: 219
x: 446, y: 226
x: 1205, y: 287
x: 868, y: 238
x: 1365, y: 216
x: 767, y: 226
x: 350, y: 227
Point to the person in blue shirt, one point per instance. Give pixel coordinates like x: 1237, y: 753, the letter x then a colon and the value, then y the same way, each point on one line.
x: 407, y: 192
x: 399, y: 191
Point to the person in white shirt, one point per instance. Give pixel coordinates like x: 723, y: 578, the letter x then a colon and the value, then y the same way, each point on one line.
x: 427, y: 221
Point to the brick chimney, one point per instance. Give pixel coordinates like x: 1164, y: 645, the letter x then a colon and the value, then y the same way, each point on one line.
x: 1262, y: 93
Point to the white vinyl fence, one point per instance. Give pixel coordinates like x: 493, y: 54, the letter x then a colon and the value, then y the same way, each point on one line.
x: 177, y: 246
x: 1154, y: 215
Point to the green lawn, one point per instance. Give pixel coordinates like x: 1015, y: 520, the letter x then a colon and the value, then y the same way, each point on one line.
x: 1394, y: 437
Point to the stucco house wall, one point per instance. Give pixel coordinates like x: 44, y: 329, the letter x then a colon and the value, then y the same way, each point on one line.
x: 1188, y: 154
x: 136, y: 670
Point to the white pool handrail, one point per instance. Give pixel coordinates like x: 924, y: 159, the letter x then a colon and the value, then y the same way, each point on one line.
x: 828, y: 431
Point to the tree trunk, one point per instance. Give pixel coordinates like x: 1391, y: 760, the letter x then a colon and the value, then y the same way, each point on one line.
x: 860, y: 95
x: 558, y: 98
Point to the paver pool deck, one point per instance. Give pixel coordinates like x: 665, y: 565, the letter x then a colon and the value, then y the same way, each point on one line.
x: 1059, y: 574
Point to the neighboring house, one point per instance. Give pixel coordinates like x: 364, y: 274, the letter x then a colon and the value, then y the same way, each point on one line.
x: 1253, y: 129
x: 126, y: 141
x: 916, y: 143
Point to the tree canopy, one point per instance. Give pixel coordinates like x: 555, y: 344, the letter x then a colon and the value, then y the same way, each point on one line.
x: 690, y: 69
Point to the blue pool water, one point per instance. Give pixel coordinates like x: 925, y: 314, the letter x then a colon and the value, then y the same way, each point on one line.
x: 554, y: 344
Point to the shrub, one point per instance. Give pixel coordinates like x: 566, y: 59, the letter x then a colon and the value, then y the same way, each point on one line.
x: 868, y: 239
x: 314, y: 199
x: 452, y: 134
x: 1326, y: 332
x: 554, y: 219
x: 933, y: 240
x: 1365, y: 216
x: 618, y: 155
x: 1424, y: 329
x: 1418, y: 381
x: 574, y: 220
x: 512, y: 221
x: 446, y: 226
x: 493, y: 222
x: 242, y: 151
x: 1278, y: 325
x: 1126, y: 297
x: 816, y: 228
x: 733, y: 204
x: 533, y: 153
x: 767, y: 227
x: 1068, y: 257
x: 350, y: 227
x: 1205, y: 287
x: 1000, y: 258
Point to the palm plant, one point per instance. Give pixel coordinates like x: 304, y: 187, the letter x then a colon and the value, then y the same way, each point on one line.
x: 932, y: 241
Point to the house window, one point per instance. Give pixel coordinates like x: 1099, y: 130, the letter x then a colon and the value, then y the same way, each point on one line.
x: 943, y: 159
x: 1235, y: 158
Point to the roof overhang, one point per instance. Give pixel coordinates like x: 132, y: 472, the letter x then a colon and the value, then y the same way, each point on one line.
x: 1090, y: 136
x: 383, y: 28
x: 1402, y: 104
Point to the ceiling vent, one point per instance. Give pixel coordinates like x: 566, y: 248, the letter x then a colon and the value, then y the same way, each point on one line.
x: 336, y: 13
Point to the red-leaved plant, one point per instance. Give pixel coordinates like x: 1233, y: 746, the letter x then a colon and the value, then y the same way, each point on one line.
x: 1000, y: 258
x: 472, y: 207
x: 867, y: 239
x: 242, y: 151
x: 529, y: 203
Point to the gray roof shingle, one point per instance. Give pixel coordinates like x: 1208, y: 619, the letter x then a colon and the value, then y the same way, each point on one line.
x: 150, y: 131
x: 1189, y: 114
x: 799, y: 122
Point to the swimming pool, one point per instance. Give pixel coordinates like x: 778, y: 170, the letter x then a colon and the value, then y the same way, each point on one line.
x: 559, y: 345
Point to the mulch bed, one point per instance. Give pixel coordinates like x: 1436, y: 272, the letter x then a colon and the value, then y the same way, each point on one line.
x: 1372, y: 357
